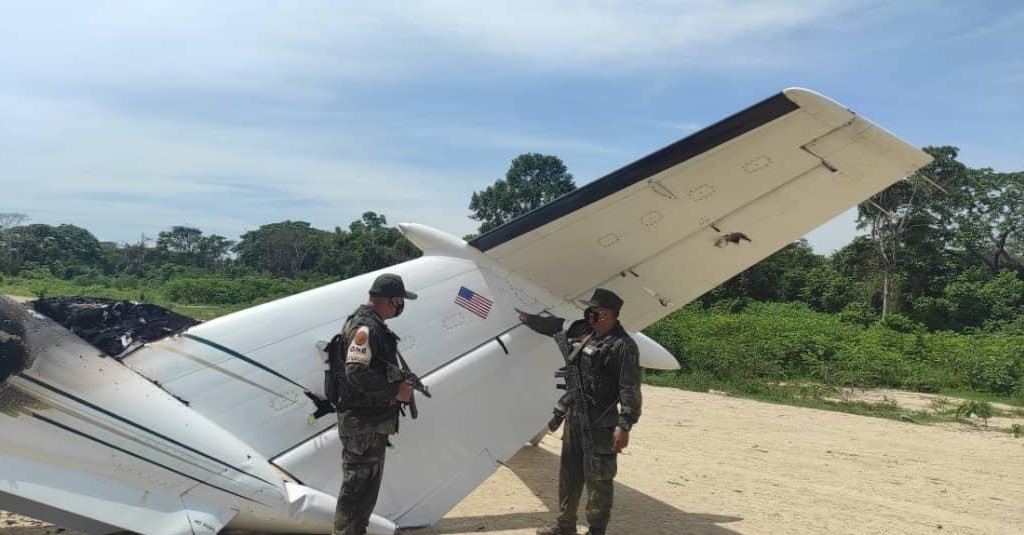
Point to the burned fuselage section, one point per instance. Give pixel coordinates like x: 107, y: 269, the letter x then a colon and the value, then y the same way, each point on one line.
x: 18, y: 324
x: 82, y: 435
x: 114, y: 327
x: 13, y: 355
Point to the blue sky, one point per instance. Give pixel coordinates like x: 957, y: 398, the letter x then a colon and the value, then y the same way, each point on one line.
x: 129, y: 117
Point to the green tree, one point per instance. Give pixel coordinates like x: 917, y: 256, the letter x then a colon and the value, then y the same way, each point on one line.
x: 182, y: 240
x: 780, y: 277
x: 11, y: 219
x: 858, y: 262
x: 283, y: 249
x: 64, y: 249
x: 369, y: 244
x: 133, y: 259
x: 532, y: 181
x: 986, y: 219
x: 212, y: 251
x: 827, y: 290
x: 901, y: 214
x: 8, y: 220
x: 974, y: 300
x: 189, y: 247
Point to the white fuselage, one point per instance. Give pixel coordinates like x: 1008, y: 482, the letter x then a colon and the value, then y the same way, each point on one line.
x: 218, y: 413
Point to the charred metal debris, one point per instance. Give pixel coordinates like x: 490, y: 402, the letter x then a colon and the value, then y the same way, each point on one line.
x: 12, y: 346
x: 114, y: 327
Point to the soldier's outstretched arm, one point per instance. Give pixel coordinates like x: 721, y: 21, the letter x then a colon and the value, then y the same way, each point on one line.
x: 546, y: 325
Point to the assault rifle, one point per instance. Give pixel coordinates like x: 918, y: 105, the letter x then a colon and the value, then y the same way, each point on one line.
x: 403, y: 373
x: 575, y: 398
x: 334, y: 362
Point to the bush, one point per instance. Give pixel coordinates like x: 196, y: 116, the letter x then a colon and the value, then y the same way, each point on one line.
x: 899, y: 323
x: 858, y: 313
x: 231, y: 291
x: 996, y: 373
x: 981, y: 409
x: 925, y: 378
x: 778, y: 342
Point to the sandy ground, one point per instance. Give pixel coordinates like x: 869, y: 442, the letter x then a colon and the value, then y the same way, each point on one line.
x: 714, y: 465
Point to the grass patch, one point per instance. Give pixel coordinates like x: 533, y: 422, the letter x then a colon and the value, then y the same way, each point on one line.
x: 205, y: 312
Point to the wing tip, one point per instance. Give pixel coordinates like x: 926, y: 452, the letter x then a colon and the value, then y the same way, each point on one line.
x: 818, y: 105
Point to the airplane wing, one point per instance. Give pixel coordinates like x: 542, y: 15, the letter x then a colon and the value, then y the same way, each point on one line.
x: 673, y: 225
x: 92, y: 504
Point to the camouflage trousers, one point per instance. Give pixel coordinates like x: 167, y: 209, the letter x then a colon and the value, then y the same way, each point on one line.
x: 574, y: 473
x: 362, y: 463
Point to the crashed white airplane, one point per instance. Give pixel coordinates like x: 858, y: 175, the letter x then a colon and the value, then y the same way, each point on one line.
x: 207, y: 428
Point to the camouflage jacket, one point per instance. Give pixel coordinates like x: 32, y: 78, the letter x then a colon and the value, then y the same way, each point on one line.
x: 367, y: 398
x: 610, y: 367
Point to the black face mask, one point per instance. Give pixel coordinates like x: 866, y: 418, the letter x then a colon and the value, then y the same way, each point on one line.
x: 399, y: 307
x: 592, y: 315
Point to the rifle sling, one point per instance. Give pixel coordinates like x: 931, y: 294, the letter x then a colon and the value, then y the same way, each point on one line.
x: 572, y: 356
x: 401, y: 361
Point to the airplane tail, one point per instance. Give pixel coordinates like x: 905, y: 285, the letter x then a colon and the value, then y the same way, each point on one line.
x: 186, y: 433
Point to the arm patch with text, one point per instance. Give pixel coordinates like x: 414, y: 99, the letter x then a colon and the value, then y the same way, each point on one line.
x: 359, y: 350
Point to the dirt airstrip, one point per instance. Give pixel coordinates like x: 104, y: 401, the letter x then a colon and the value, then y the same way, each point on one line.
x: 714, y: 465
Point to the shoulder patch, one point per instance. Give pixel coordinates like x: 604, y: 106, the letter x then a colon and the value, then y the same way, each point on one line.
x: 359, y: 350
x: 362, y: 335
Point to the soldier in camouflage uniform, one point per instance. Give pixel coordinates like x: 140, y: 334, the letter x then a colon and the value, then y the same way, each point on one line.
x: 368, y: 403
x: 609, y: 364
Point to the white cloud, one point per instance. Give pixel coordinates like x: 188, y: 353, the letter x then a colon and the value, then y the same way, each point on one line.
x: 618, y: 35
x: 309, y: 49
x: 514, y: 142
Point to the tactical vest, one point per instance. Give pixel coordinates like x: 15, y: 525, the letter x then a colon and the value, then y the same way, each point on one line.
x: 383, y: 346
x: 599, y: 380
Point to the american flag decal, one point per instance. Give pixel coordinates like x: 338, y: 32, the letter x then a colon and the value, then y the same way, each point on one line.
x: 473, y: 302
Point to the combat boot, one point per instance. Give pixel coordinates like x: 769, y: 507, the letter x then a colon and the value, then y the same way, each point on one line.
x: 556, y: 529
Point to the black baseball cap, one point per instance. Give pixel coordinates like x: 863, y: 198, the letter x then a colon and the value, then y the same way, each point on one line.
x: 390, y: 285
x: 605, y: 299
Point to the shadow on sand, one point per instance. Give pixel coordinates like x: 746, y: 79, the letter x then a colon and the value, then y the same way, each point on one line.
x: 634, y: 511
